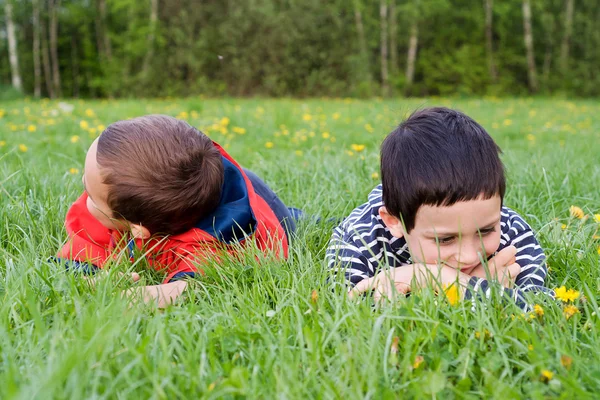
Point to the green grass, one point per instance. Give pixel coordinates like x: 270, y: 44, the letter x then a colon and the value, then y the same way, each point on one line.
x: 256, y: 331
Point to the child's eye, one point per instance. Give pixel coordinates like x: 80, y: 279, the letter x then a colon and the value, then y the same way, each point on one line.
x: 487, y: 231
x: 445, y: 240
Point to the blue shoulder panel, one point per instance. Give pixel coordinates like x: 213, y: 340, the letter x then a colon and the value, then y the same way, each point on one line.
x: 233, y: 218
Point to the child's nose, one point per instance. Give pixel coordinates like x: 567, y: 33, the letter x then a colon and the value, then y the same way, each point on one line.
x: 469, y: 253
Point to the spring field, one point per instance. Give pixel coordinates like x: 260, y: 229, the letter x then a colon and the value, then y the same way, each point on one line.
x: 277, y: 330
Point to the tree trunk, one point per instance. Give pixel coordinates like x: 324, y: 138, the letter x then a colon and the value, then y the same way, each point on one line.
x: 102, y: 39
x: 362, y: 42
x: 74, y: 65
x: 53, y: 9
x: 384, y: 48
x: 489, y: 34
x: 528, y: 37
x: 37, y: 69
x: 151, y: 35
x: 46, y: 59
x: 13, y: 55
x: 393, y: 36
x: 412, y: 55
x: 564, y: 49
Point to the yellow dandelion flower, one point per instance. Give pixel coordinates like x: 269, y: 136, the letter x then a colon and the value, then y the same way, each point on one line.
x: 2, y: 143
x: 375, y: 175
x: 532, y: 113
x: 369, y: 128
x: 599, y: 250
x: 92, y: 131
x: 565, y: 295
x: 597, y: 218
x: 238, y: 130
x: 530, y: 347
x: 563, y: 226
x: 538, y: 310
x: 350, y: 153
x: 357, y: 147
x: 31, y: 128
x: 576, y: 212
x: 566, y: 361
x: 2, y: 113
x: 418, y: 361
x: 90, y: 113
x: 546, y: 376
x: 314, y: 296
x: 333, y: 139
x: 223, y: 130
x: 570, y: 310
x: 101, y: 128
x: 74, y: 139
x: 84, y: 124
x: 299, y: 153
x: 224, y: 121
x: 495, y: 125
x: 73, y: 171
x: 507, y: 122
x: 307, y: 117
x: 269, y: 145
x: 23, y: 148
x: 336, y: 116
x: 531, y: 137
x: 452, y: 293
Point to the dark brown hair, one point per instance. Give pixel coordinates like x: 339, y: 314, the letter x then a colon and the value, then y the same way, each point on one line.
x: 438, y: 157
x: 162, y: 173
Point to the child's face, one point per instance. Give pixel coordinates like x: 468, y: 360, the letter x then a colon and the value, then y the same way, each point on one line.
x: 97, y: 192
x: 459, y: 235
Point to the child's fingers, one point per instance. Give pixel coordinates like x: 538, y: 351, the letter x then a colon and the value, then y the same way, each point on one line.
x: 505, y: 257
x: 361, y: 287
x: 510, y: 274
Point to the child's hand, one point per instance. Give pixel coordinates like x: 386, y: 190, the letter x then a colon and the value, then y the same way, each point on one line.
x: 389, y: 282
x: 161, y: 295
x: 502, y: 267
x: 385, y: 284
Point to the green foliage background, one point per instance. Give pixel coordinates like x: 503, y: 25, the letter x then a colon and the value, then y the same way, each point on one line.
x: 308, y: 48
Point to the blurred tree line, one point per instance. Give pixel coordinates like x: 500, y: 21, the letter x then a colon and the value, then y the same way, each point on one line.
x: 130, y: 48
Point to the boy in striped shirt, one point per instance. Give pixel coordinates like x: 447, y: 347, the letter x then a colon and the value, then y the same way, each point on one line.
x: 438, y: 218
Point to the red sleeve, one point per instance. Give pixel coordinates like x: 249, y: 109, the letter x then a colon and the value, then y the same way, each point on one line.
x: 89, y: 240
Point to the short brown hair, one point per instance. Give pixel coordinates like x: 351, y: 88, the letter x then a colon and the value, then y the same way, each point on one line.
x: 162, y: 173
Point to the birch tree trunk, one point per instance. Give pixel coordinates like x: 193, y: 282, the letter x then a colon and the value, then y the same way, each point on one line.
x: 384, y: 48
x: 37, y: 69
x: 46, y: 60
x: 564, y: 49
x: 362, y: 42
x: 102, y: 39
x: 151, y: 35
x: 412, y: 55
x: 53, y: 9
x: 13, y: 56
x: 528, y: 37
x: 393, y: 36
x: 489, y: 39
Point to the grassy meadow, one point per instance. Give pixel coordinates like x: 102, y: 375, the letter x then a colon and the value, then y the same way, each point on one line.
x: 277, y: 330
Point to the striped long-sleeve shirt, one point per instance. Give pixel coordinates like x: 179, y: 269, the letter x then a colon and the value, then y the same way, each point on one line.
x: 361, y: 246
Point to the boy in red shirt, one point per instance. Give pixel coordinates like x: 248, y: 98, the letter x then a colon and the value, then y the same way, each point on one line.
x: 161, y: 185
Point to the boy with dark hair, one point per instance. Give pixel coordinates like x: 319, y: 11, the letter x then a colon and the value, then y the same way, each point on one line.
x: 161, y: 185
x: 438, y: 217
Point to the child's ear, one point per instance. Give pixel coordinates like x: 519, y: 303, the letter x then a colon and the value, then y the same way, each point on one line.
x: 139, y: 231
x: 393, y: 224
